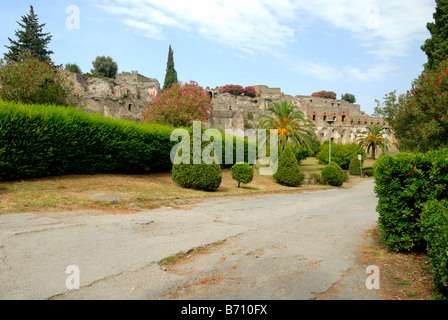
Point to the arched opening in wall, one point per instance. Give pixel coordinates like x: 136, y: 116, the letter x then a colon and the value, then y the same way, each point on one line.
x: 334, y: 117
x: 359, y: 121
x: 365, y: 122
x: 324, y: 116
x: 129, y: 107
x: 343, y: 116
x: 352, y: 121
x: 371, y: 123
x: 314, y: 116
x: 210, y: 95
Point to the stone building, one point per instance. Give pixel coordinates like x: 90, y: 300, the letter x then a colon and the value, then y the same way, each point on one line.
x: 124, y: 97
x: 240, y: 112
x: 128, y: 94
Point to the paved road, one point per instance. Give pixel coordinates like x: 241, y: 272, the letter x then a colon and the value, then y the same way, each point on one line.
x: 285, y: 246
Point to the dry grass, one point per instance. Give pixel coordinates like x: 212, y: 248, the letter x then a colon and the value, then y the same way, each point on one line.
x: 404, y: 276
x: 144, y: 191
x: 74, y: 192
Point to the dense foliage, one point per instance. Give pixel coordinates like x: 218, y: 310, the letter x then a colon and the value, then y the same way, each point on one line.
x: 207, y: 177
x: 171, y: 73
x: 421, y: 118
x: 348, y: 97
x: 291, y: 124
x: 234, y: 89
x: 33, y: 81
x: 403, y: 183
x: 104, y: 67
x: 73, y: 67
x: 434, y: 226
x: 436, y: 47
x: 30, y: 39
x: 372, y: 138
x: 242, y: 173
x: 43, y: 140
x: 288, y: 171
x: 179, y: 106
x: 324, y: 94
x: 332, y: 175
x: 355, y: 166
x: 341, y: 153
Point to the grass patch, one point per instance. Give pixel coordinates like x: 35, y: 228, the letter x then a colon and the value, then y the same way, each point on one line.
x: 74, y: 192
x: 171, y: 260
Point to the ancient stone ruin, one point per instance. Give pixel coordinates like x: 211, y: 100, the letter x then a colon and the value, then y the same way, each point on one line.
x: 128, y: 94
x: 124, y: 97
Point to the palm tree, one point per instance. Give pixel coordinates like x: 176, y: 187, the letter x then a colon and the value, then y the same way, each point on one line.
x: 291, y: 125
x: 372, y: 138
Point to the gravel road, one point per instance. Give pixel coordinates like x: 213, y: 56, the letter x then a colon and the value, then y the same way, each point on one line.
x: 284, y: 246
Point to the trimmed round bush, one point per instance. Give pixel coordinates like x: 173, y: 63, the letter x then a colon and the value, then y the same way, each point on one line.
x: 332, y: 176
x: 355, y: 167
x: 207, y: 177
x: 243, y: 173
x: 288, y: 171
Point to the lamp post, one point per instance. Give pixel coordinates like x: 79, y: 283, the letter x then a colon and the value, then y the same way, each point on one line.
x: 385, y: 138
x: 330, y: 122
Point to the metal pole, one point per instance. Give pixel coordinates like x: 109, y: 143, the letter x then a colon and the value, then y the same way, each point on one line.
x: 329, y: 160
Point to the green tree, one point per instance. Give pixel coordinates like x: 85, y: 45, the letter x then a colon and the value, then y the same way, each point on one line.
x: 171, y: 74
x: 436, y: 47
x: 30, y: 39
x: 421, y: 119
x: 291, y: 125
x: 288, y: 172
x: 372, y: 138
x: 348, y: 97
x: 73, y: 67
x: 388, y: 108
x: 32, y: 81
x: 104, y: 67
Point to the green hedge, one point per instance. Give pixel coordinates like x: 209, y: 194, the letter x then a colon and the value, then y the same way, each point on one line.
x: 434, y: 227
x: 341, y: 153
x: 43, y: 140
x: 403, y: 183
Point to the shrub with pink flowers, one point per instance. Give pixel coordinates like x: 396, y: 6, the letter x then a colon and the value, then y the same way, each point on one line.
x: 250, y: 92
x: 179, y: 106
x: 324, y: 94
x: 31, y: 81
x: 238, y: 90
x: 234, y: 89
x: 421, y: 120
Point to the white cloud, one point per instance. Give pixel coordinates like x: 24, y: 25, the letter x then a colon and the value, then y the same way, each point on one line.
x: 250, y: 26
x: 382, y: 30
x: 148, y: 30
x: 388, y: 28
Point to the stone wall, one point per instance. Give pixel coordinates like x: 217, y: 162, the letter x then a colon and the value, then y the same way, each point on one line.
x: 240, y: 112
x: 124, y: 97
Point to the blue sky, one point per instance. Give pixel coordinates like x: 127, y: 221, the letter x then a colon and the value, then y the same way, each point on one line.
x: 364, y: 47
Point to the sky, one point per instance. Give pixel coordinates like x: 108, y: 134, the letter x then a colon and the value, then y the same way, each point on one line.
x: 364, y: 47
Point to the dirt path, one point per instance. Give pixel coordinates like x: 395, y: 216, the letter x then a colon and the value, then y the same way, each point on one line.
x: 284, y: 246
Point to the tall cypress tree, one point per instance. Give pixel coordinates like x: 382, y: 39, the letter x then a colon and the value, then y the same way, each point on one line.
x: 436, y: 47
x: 171, y: 74
x: 30, y: 39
